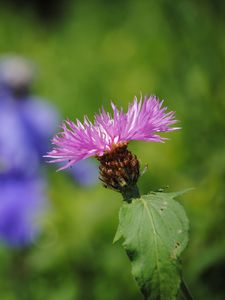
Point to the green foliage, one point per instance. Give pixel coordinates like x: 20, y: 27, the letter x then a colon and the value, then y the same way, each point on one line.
x: 155, y: 232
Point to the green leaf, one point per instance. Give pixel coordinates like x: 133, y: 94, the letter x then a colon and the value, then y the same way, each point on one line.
x: 155, y: 232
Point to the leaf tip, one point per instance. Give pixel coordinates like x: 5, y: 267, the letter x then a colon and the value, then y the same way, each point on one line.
x: 118, y: 235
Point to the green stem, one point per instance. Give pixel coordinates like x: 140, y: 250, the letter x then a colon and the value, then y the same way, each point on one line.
x: 130, y: 192
x: 185, y: 291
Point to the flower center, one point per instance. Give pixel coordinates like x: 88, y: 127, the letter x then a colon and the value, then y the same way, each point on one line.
x: 119, y: 168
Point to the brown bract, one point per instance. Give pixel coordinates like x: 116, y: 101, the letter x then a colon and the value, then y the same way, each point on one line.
x: 119, y: 168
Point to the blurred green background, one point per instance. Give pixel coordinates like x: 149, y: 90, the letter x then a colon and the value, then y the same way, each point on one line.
x: 97, y: 51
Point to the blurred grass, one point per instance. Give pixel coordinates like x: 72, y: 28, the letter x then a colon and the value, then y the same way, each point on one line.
x: 113, y: 51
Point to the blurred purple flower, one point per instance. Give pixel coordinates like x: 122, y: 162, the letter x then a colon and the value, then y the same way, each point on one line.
x: 22, y: 201
x: 85, y: 172
x: 26, y: 127
x: 27, y: 124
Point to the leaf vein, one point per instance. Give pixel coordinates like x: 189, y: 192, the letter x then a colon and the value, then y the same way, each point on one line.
x: 155, y: 239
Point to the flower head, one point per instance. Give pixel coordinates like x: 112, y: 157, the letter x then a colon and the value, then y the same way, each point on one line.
x: 144, y: 120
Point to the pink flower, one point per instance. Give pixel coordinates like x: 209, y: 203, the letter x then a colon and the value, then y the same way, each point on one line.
x: 143, y: 121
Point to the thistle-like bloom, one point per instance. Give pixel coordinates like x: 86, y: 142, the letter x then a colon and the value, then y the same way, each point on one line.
x: 143, y: 121
x: 107, y: 139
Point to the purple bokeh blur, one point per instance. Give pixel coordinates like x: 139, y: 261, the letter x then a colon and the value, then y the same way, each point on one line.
x: 27, y: 124
x: 23, y: 202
